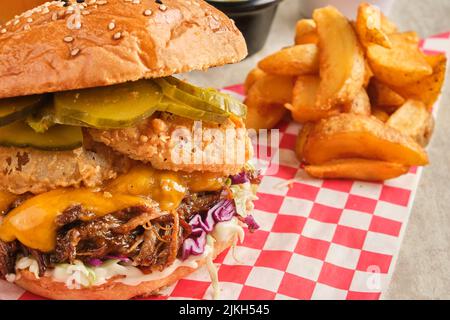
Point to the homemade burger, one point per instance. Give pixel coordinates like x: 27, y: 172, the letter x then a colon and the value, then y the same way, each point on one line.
x: 104, y: 193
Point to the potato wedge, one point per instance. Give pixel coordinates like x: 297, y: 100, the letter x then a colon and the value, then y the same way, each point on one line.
x: 357, y: 169
x: 265, y: 101
x: 341, y: 59
x: 380, y: 114
x: 401, y: 65
x: 253, y: 76
x: 355, y: 136
x: 368, y: 26
x: 306, y: 32
x: 293, y: 61
x: 384, y: 97
x: 410, y: 36
x: 414, y: 120
x: 303, y: 107
x: 262, y: 114
x: 302, y: 138
x: 360, y: 105
x: 429, y: 88
x: 274, y: 89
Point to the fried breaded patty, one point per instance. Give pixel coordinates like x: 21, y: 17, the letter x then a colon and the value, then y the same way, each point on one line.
x: 157, y: 141
x: 28, y: 170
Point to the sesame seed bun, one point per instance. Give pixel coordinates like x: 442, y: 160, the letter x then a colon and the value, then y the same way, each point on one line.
x: 103, y: 42
x: 111, y: 290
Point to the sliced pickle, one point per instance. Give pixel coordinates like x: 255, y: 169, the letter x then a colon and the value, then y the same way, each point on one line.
x: 57, y: 138
x: 117, y: 106
x: 176, y: 94
x: 212, y: 96
x: 124, y: 105
x: 185, y: 111
x: 13, y: 109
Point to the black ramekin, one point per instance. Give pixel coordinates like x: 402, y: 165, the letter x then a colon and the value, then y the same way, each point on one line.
x: 253, y: 17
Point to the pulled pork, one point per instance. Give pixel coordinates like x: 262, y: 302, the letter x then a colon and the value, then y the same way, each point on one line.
x: 149, y: 237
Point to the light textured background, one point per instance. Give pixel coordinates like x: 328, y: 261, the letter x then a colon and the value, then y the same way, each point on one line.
x: 423, y: 268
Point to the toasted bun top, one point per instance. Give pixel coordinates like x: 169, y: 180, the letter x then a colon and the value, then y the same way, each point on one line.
x: 103, y: 42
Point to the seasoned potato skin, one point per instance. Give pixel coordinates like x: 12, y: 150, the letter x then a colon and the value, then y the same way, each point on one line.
x: 356, y: 136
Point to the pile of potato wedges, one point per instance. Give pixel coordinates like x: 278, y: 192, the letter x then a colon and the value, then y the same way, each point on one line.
x: 362, y: 89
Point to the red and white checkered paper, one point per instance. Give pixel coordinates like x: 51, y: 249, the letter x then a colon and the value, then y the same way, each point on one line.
x: 318, y: 239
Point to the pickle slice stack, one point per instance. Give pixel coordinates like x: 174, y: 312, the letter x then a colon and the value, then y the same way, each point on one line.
x: 212, y: 96
x: 124, y: 105
x: 48, y: 123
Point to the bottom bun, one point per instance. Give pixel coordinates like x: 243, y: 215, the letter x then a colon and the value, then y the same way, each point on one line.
x: 112, y: 290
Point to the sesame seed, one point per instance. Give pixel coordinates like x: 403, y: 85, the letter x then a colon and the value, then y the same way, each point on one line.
x: 16, y: 22
x: 74, y: 52
x: 148, y: 12
x: 26, y: 27
x: 46, y: 10
x: 136, y: 1
x: 3, y: 31
x: 111, y: 25
x: 117, y: 35
x: 102, y: 2
x: 163, y: 7
x: 92, y: 2
x: 68, y: 39
x: 85, y: 12
x: 29, y: 20
x: 143, y: 139
x: 54, y: 16
x: 8, y: 23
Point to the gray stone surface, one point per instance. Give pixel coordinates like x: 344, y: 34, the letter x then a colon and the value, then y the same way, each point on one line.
x: 423, y: 267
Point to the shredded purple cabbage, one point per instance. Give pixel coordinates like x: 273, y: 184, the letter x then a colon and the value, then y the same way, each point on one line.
x: 224, y: 210
x: 95, y: 262
x: 194, y: 245
x: 240, y: 178
x: 251, y: 223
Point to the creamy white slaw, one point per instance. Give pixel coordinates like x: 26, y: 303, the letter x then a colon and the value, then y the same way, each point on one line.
x: 79, y: 275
